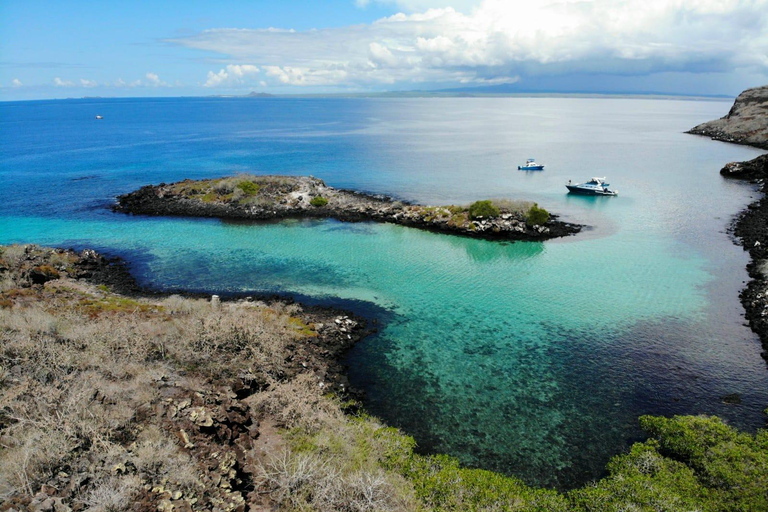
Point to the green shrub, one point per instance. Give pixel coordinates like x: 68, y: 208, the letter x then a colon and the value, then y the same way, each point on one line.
x: 249, y: 188
x: 483, y: 209
x: 536, y: 216
x: 318, y: 201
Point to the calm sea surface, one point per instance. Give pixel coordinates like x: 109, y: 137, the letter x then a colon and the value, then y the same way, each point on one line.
x: 532, y: 359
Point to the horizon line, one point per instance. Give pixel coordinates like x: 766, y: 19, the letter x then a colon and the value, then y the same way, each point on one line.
x: 407, y: 94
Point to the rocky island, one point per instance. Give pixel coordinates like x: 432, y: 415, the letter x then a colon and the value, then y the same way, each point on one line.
x: 262, y: 198
x: 746, y: 122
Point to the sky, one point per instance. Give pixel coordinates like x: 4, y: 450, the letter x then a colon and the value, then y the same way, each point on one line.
x: 74, y: 48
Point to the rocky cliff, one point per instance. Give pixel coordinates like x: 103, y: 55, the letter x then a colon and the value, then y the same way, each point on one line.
x: 746, y: 122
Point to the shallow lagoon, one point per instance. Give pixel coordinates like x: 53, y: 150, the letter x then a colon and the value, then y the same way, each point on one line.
x: 533, y: 359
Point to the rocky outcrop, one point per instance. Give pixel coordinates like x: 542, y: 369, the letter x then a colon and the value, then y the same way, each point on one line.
x: 755, y: 170
x: 746, y: 122
x: 279, y: 197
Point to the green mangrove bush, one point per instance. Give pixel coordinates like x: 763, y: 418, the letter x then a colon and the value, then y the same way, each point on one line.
x: 690, y: 463
x: 249, y: 188
x: 483, y: 209
x: 536, y: 216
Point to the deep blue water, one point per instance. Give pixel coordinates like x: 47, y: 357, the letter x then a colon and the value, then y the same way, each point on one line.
x: 532, y: 359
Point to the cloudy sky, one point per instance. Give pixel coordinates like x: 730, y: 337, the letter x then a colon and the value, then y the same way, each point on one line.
x: 171, y: 48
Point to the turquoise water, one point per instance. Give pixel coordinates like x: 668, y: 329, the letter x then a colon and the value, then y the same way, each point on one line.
x: 529, y: 358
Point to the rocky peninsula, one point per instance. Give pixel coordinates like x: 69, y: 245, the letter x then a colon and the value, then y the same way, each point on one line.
x: 167, y: 402
x: 746, y: 122
x: 264, y: 198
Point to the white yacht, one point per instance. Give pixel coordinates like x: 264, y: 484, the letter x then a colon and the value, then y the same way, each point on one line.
x: 593, y: 187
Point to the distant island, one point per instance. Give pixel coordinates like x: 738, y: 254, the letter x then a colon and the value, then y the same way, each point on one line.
x: 252, y: 197
x: 252, y: 94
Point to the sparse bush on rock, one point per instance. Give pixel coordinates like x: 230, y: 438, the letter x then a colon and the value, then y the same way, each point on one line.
x: 249, y: 188
x: 536, y: 216
x: 318, y: 201
x: 484, y: 209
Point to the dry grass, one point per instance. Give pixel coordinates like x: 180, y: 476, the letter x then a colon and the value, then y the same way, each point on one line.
x: 512, y: 206
x: 77, y: 363
x: 299, y: 403
x: 112, y: 494
x: 306, y: 481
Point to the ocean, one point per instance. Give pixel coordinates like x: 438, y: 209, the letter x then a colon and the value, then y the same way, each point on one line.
x: 533, y: 359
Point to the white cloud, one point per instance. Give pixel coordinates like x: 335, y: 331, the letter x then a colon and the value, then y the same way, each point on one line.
x: 88, y: 83
x: 58, y: 82
x: 154, y: 81
x: 16, y: 83
x: 306, y: 76
x: 233, y: 75
x: 150, y: 80
x: 500, y: 40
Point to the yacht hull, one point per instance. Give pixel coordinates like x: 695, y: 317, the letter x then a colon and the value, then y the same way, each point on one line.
x: 574, y: 189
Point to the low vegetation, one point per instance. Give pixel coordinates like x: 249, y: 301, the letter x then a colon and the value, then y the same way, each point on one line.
x: 483, y: 209
x: 318, y: 201
x: 536, y: 216
x: 249, y: 188
x: 243, y: 189
x: 115, y: 403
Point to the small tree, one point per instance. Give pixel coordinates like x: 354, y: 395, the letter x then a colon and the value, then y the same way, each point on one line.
x: 318, y: 201
x: 483, y: 209
x: 536, y: 216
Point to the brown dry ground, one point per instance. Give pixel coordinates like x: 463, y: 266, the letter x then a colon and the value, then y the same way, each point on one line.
x: 110, y: 402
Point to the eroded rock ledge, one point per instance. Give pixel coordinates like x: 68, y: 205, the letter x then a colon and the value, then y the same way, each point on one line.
x: 250, y: 197
x: 746, y: 122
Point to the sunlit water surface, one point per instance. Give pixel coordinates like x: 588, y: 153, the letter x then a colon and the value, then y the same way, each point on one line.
x: 534, y: 359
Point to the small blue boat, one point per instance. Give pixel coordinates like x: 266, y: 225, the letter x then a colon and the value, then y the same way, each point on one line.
x: 594, y: 187
x: 530, y: 165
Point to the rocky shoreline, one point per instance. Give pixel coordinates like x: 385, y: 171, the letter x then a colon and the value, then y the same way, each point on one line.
x: 267, y: 198
x: 751, y: 230
x: 747, y: 123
